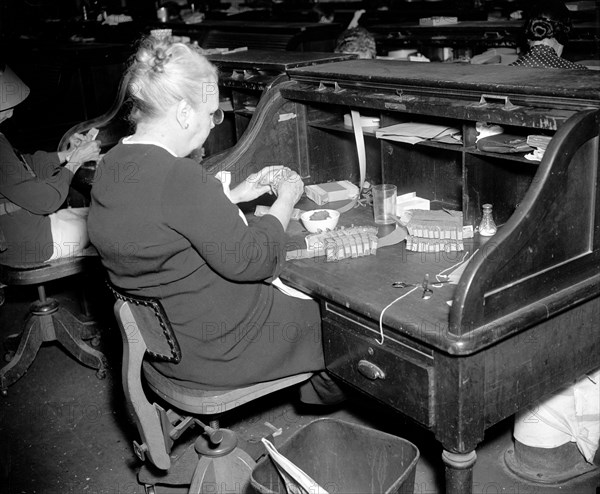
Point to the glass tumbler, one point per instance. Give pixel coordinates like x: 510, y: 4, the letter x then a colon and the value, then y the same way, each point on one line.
x: 384, y: 204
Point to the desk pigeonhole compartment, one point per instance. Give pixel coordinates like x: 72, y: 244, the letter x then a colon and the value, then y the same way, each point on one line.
x: 398, y: 372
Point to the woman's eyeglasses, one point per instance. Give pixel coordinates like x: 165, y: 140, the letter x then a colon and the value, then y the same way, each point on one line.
x: 218, y: 117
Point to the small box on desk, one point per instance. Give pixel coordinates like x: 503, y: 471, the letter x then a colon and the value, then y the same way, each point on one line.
x: 409, y: 201
x: 331, y: 192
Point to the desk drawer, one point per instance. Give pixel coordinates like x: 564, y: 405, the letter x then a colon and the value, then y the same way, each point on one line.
x: 395, y: 373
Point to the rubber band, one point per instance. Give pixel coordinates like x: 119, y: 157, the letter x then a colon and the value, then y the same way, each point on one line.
x: 386, y: 308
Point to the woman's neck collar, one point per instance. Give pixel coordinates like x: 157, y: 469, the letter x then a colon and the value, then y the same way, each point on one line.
x: 551, y: 42
x: 157, y: 133
x: 136, y: 140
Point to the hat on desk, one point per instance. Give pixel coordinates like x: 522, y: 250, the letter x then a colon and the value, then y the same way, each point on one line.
x: 12, y: 89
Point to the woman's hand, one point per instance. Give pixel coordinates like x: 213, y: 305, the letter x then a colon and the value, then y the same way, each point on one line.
x: 75, y: 140
x: 257, y: 184
x: 290, y: 187
x: 289, y: 192
x: 86, y: 151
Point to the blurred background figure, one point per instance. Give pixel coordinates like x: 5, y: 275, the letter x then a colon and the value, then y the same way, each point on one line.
x: 356, y: 39
x: 546, y: 30
x: 325, y: 13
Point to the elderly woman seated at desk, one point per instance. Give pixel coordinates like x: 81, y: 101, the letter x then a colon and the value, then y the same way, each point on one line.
x: 169, y: 230
x: 547, y: 31
x: 33, y: 228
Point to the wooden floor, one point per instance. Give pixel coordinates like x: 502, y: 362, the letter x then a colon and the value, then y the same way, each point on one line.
x: 64, y: 431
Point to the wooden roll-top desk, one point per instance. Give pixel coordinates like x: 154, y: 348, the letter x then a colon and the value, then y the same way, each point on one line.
x: 523, y: 319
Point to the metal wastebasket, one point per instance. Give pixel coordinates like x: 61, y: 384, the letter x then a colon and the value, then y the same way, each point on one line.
x: 346, y: 458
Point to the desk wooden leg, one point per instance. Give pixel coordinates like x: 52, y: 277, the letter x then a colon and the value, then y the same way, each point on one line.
x: 459, y: 472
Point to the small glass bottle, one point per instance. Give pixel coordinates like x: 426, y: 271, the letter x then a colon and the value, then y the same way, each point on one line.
x: 487, y: 227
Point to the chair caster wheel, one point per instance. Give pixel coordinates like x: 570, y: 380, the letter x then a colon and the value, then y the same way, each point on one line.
x: 95, y: 341
x: 8, y: 356
x: 150, y: 489
x: 101, y: 374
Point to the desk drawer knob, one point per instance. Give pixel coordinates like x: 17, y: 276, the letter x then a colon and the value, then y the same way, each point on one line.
x: 370, y: 370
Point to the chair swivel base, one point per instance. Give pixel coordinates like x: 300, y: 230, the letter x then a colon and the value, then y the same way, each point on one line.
x: 225, y: 469
x: 223, y: 474
x: 48, y: 321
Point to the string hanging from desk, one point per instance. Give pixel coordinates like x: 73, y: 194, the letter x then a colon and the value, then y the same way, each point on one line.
x: 386, y: 308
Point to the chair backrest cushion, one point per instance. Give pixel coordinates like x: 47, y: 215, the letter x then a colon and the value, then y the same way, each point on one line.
x: 153, y: 325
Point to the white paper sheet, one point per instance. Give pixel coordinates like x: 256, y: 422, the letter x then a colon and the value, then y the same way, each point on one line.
x: 413, y: 132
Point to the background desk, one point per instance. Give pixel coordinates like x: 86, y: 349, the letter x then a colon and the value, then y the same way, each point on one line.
x: 258, y: 35
x: 468, y: 38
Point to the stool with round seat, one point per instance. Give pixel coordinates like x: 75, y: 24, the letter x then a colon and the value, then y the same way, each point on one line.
x: 48, y: 320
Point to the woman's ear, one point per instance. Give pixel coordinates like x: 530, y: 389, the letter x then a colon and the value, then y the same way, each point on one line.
x: 183, y: 114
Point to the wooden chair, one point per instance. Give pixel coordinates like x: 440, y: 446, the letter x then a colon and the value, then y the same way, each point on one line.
x: 215, y: 461
x: 48, y: 320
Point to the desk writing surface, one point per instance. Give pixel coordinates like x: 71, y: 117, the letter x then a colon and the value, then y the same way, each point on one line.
x: 364, y: 284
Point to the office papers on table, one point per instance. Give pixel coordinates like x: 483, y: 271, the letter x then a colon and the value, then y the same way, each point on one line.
x: 414, y: 132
